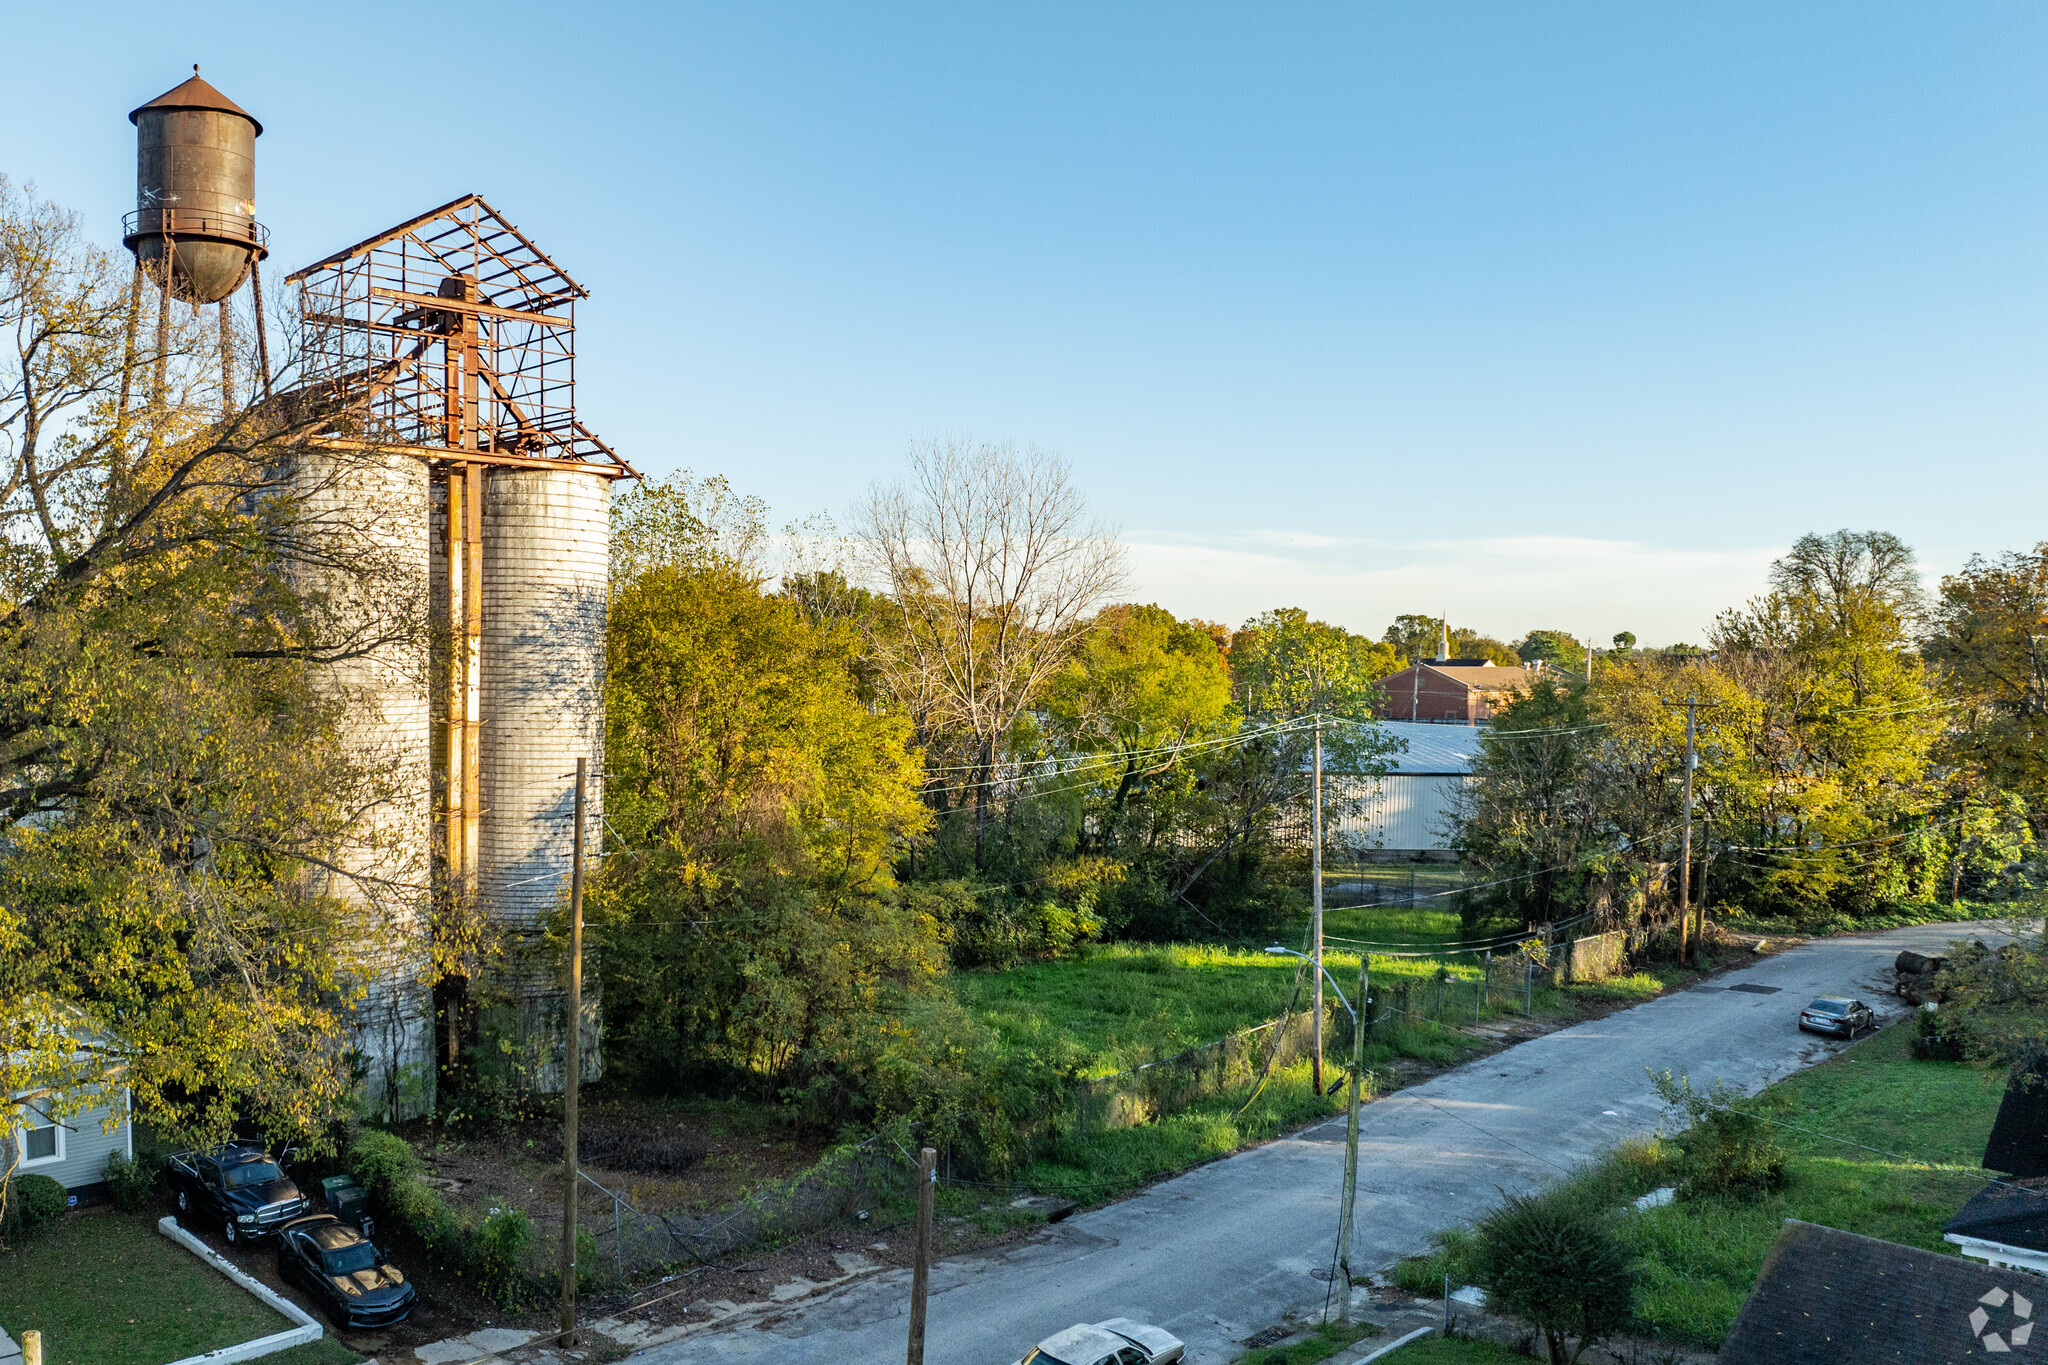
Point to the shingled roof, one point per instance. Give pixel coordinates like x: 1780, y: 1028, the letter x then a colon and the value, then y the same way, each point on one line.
x: 1826, y: 1297
x: 2016, y: 1215
x: 2018, y: 1144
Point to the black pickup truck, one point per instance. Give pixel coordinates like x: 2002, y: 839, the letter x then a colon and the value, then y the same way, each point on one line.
x: 239, y: 1186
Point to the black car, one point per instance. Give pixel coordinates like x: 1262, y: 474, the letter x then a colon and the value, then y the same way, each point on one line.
x: 345, y: 1271
x: 240, y: 1185
x: 1833, y: 1014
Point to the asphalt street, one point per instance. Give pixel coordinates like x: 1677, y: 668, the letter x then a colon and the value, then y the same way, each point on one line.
x: 1223, y: 1251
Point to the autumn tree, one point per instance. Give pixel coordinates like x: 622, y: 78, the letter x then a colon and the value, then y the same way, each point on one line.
x: 990, y: 569
x: 175, y: 786
x: 748, y: 917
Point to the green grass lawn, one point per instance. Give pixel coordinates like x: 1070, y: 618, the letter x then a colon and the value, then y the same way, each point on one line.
x: 1121, y: 1005
x: 1697, y: 1259
x: 1102, y: 1165
x: 1126, y: 1004
x: 1700, y: 1257
x: 106, y: 1288
x: 1328, y: 1339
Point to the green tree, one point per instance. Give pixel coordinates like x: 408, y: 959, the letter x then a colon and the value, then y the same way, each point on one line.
x: 749, y: 923
x: 1846, y: 724
x: 1988, y: 639
x: 174, y: 776
x: 1142, y: 687
x: 1557, y: 648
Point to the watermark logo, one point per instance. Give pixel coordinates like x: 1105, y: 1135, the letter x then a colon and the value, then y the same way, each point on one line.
x: 1996, y: 1342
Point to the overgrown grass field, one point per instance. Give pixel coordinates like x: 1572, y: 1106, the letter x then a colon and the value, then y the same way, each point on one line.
x: 106, y: 1288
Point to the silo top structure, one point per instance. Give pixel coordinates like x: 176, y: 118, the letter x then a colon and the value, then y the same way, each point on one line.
x: 195, y: 192
x: 450, y: 338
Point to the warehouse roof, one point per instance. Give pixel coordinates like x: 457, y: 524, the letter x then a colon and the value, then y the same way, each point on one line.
x: 1433, y: 750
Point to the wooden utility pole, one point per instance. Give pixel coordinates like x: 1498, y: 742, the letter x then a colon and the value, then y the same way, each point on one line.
x: 1315, y: 859
x: 921, y: 1271
x: 572, y: 1065
x: 1692, y: 706
x: 31, y: 1348
x: 1346, y: 1217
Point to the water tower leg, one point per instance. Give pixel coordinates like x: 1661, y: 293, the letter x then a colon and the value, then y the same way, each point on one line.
x: 262, y: 338
x: 161, y: 361
x: 227, y: 361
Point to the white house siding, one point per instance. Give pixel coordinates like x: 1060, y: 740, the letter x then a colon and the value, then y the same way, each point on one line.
x: 87, y: 1145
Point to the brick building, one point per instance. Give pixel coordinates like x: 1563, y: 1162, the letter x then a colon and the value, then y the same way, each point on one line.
x: 1452, y: 691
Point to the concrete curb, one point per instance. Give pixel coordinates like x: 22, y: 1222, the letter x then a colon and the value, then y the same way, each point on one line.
x: 1394, y: 1346
x: 307, y: 1329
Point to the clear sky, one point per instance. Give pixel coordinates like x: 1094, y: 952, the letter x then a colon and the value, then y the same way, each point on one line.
x: 1560, y: 315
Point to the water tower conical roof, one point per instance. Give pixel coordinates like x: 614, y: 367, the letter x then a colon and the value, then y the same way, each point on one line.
x: 195, y: 94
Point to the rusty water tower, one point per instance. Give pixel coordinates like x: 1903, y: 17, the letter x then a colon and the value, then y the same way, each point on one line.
x: 194, y: 232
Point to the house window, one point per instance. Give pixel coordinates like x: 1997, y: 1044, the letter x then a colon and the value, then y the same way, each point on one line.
x: 41, y: 1140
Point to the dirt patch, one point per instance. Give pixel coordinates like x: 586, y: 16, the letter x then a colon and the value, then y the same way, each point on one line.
x: 663, y: 1156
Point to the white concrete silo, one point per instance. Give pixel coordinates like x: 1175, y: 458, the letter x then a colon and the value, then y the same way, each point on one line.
x: 546, y: 561
x: 361, y: 554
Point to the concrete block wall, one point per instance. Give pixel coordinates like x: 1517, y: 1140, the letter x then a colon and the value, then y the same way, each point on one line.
x: 365, y: 521
x: 547, y: 549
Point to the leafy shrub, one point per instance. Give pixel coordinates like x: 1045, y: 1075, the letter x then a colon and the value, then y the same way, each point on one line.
x: 498, y: 1256
x: 1730, y: 1146
x: 132, y: 1183
x: 32, y: 1201
x: 381, y: 1161
x: 1939, y: 1035
x: 1555, y: 1263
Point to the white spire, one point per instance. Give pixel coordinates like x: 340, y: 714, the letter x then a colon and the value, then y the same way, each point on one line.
x: 1443, y: 648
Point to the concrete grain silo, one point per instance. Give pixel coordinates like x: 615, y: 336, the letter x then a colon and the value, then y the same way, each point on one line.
x: 546, y: 553
x: 361, y: 517
x: 446, y: 344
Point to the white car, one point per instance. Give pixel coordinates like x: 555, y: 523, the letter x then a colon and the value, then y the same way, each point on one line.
x: 1118, y: 1341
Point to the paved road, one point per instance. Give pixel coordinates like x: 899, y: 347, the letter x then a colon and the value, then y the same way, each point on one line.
x: 1221, y: 1252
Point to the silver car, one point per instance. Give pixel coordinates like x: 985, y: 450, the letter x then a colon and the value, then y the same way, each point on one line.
x: 1834, y: 1014
x: 1116, y: 1341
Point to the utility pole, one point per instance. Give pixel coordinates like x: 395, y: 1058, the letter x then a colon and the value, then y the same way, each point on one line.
x: 921, y: 1272
x: 1315, y: 859
x: 572, y: 1066
x: 1346, y: 1218
x: 1692, y: 706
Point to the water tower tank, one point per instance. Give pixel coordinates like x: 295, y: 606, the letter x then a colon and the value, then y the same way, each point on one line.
x: 195, y: 191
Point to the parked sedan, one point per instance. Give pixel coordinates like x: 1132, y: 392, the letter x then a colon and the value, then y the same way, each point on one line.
x: 1834, y: 1014
x: 1116, y: 1341
x: 345, y: 1271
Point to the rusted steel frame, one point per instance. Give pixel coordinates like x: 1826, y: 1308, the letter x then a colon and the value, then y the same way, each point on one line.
x: 617, y: 470
x: 435, y: 303
x: 456, y: 734
x: 368, y: 243
x: 472, y: 670
x: 519, y: 417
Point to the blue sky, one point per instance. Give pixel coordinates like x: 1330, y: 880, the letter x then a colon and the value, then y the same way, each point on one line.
x: 1542, y: 315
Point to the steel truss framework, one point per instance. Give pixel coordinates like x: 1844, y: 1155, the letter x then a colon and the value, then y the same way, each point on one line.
x: 452, y: 337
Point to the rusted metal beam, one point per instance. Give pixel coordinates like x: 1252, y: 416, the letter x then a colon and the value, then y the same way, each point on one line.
x: 368, y: 243
x: 472, y: 667
x: 435, y: 303
x: 483, y: 456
